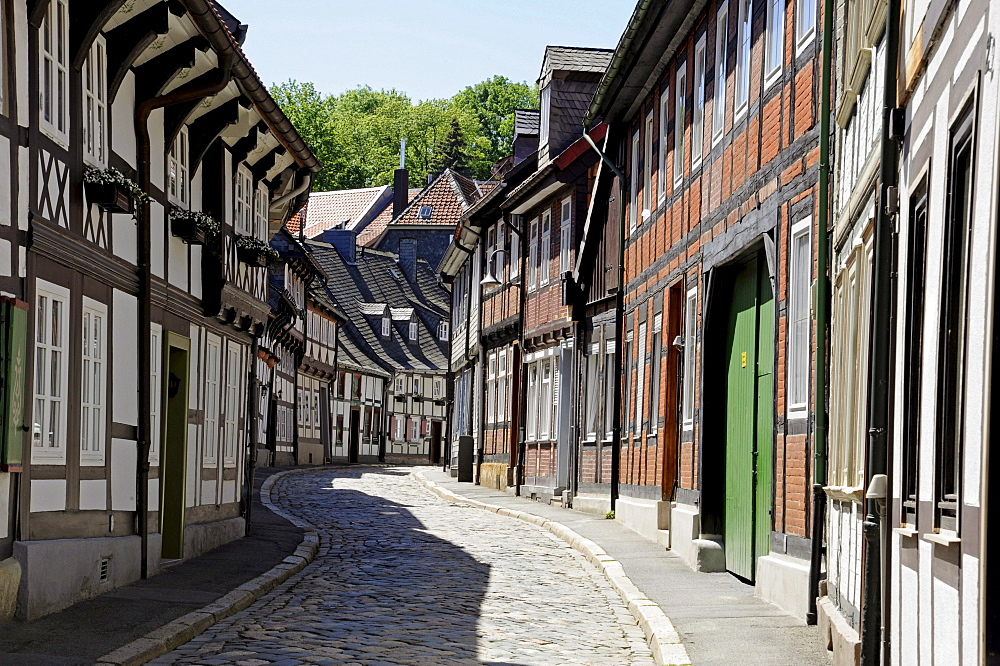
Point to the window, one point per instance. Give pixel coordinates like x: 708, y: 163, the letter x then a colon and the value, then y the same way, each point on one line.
x: 593, y: 395
x: 610, y: 377
x: 95, y: 105
x: 533, y: 255
x: 661, y: 179
x: 545, y: 106
x: 443, y: 331
x: 775, y: 44
x: 400, y: 429
x: 491, y: 388
x: 48, y: 437
x: 438, y: 388
x: 799, y: 282
x: 698, y: 112
x: 545, y: 401
x: 690, y: 324
x: 243, y: 202
x: 626, y: 405
x: 640, y: 378
x: 260, y: 205
x: 805, y: 22
x: 515, y: 249
x: 155, y: 391
x: 633, y: 201
x: 912, y: 353
x: 743, y: 56
x: 413, y: 331
x: 385, y: 327
x: 654, y: 375
x: 680, y: 106
x: 546, y: 248
x: 53, y: 40
x: 417, y: 388
x: 415, y: 430
x: 178, y: 181
x: 233, y: 402
x: 213, y: 355
x: 565, y: 235
x: 502, y: 384
x: 92, y: 383
x: 954, y: 318
x: 719, y: 94
x: 532, y: 402
x: 425, y: 212
x: 647, y: 168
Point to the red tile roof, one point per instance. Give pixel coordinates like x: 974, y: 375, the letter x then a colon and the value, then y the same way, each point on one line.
x: 326, y: 210
x: 295, y: 221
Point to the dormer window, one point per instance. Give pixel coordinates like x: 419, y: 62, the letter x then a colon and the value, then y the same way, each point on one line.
x: 385, y: 327
x: 425, y: 212
x: 443, y: 331
x: 413, y: 331
x: 178, y: 189
x: 545, y: 100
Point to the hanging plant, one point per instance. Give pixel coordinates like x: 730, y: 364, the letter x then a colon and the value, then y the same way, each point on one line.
x: 254, y: 251
x: 112, y: 191
x: 192, y: 226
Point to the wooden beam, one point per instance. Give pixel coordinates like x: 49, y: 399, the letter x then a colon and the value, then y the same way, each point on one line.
x: 260, y: 168
x: 86, y: 20
x: 152, y: 76
x: 204, y: 131
x: 175, y: 115
x: 247, y: 144
x: 128, y: 41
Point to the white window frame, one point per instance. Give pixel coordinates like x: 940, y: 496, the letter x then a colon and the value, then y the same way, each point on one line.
x: 690, y: 342
x: 647, y: 167
x: 438, y: 385
x: 443, y: 331
x: 565, y: 234
x: 774, y: 42
x: 93, y: 382
x: 243, y: 194
x: 533, y: 255
x: 233, y: 402
x: 400, y: 430
x: 46, y: 348
x: 545, y: 399
x: 744, y: 50
x: 418, y: 386
x: 640, y: 379
x: 53, y: 62
x: 545, y: 259
x: 95, y: 104
x: 698, y: 110
x: 386, y: 327
x: 532, y: 415
x: 719, y: 94
x: 213, y: 398
x: 413, y: 331
x: 178, y: 165
x: 680, y: 113
x: 401, y: 385
x: 415, y: 429
x: 633, y: 202
x: 261, y: 202
x: 805, y: 23
x: 661, y: 179
x: 545, y: 109
x: 799, y: 303
x: 155, y: 391
x: 515, y: 249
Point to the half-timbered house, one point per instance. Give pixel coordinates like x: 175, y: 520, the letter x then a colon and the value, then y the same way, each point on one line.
x: 152, y: 168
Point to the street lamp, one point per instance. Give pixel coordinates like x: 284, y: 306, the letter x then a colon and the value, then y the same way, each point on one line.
x: 490, y: 280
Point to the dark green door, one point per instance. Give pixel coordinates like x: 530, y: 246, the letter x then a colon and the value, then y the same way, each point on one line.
x: 749, y: 409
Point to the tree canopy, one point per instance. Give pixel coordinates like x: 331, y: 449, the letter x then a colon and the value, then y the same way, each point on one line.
x: 357, y: 134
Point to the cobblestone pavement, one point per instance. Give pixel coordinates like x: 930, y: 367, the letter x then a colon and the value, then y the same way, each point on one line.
x: 405, y: 577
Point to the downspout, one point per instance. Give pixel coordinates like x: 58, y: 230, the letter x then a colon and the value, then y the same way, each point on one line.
x: 143, y: 271
x: 253, y: 408
x: 616, y: 436
x: 822, y: 314
x: 522, y: 407
x: 879, y: 361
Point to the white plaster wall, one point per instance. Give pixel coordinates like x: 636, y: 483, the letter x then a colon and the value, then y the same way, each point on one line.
x: 158, y: 152
x: 122, y: 379
x: 48, y: 495
x: 154, y: 494
x: 157, y: 245
x: 4, y: 505
x: 124, y: 454
x: 122, y: 119
x: 93, y: 494
x: 6, y: 170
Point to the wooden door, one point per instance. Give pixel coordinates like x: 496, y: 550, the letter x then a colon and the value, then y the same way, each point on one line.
x: 354, y: 436
x: 749, y: 408
x: 435, y: 442
x: 173, y: 455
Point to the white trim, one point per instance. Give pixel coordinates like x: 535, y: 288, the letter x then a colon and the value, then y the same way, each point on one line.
x: 698, y: 110
x: 53, y: 65
x: 680, y: 114
x: 647, y: 166
x: 804, y: 33
x: 46, y: 347
x: 93, y: 382
x: 233, y: 408
x: 774, y: 40
x: 690, y: 356
x: 719, y: 91
x: 798, y: 408
x: 661, y: 179
x: 545, y: 250
x: 565, y: 234
x: 95, y: 104
x: 243, y: 193
x: 178, y: 170
x: 633, y: 202
x: 155, y: 391
x: 744, y: 55
x: 213, y: 388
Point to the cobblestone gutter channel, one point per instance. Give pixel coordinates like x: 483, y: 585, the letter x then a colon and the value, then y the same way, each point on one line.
x: 661, y: 636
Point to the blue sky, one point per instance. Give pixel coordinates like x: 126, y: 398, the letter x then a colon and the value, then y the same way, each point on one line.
x: 429, y: 49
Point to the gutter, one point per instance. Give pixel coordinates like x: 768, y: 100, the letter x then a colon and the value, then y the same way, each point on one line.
x: 617, y: 62
x: 144, y: 272
x: 872, y: 633
x: 822, y: 315
x: 616, y: 436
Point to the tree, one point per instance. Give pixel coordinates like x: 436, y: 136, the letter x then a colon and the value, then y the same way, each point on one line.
x: 493, y: 103
x: 450, y: 152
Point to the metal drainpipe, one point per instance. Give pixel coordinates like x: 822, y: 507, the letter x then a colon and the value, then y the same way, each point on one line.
x: 253, y: 394
x: 143, y: 250
x: 879, y: 362
x: 822, y: 314
x: 522, y: 444
x: 616, y: 437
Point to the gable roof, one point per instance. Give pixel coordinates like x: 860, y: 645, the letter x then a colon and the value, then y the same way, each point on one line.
x: 351, y: 208
x: 575, y: 59
x: 382, y: 220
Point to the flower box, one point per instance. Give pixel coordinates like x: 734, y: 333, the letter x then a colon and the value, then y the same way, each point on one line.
x: 110, y: 197
x: 254, y: 252
x: 417, y: 397
x: 193, y: 227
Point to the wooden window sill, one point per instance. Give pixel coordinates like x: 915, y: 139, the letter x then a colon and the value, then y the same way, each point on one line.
x: 942, y: 539
x: 905, y: 531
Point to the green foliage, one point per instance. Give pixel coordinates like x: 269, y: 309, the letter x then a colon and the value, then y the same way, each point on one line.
x: 610, y: 515
x: 356, y: 134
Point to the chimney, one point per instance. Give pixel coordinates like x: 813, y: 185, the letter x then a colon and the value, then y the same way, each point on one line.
x: 408, y: 258
x: 400, y: 183
x: 345, y: 241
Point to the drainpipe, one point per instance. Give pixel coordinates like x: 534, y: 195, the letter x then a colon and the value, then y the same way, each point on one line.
x: 253, y: 407
x: 616, y: 436
x: 522, y: 443
x: 143, y: 270
x: 822, y: 314
x: 879, y: 361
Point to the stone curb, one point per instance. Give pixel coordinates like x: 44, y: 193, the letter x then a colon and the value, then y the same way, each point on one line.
x: 661, y: 636
x: 174, y: 634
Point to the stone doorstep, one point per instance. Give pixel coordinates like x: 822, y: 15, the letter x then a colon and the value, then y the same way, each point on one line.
x: 174, y: 634
x: 661, y: 637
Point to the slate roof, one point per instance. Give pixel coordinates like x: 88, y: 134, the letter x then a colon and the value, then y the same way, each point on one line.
x: 364, y: 290
x: 575, y: 59
x: 526, y: 122
x: 378, y: 225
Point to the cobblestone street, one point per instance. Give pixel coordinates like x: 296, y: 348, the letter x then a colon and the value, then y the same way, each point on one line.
x: 404, y: 577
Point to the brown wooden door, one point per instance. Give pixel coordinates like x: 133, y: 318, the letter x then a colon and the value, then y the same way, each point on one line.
x: 355, y: 434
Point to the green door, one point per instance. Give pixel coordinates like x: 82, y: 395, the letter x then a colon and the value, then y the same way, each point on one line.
x: 749, y: 409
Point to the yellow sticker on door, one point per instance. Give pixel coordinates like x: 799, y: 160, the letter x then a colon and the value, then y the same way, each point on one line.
x: 744, y: 360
